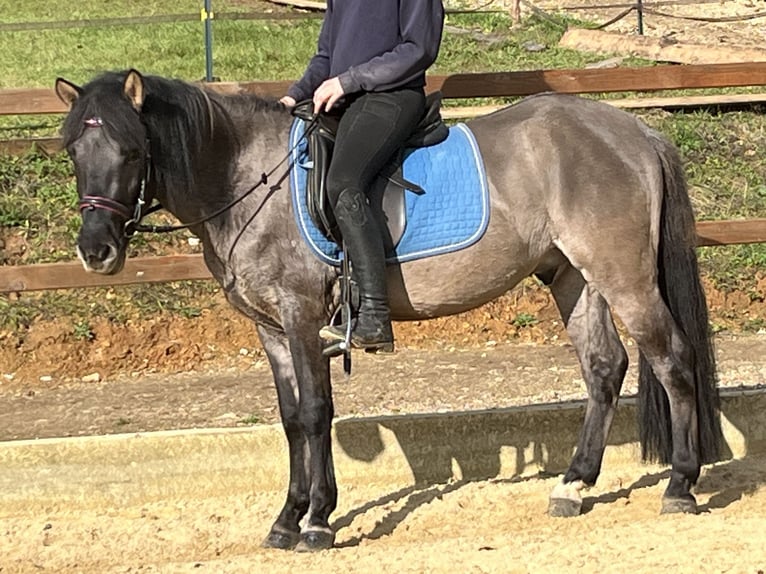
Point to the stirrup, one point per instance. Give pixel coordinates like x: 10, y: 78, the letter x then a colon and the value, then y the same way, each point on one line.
x: 341, y: 340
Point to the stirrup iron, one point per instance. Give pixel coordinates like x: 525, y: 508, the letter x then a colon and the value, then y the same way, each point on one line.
x: 343, y: 347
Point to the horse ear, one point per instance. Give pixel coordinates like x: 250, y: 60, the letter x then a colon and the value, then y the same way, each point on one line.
x: 67, y: 91
x: 134, y: 89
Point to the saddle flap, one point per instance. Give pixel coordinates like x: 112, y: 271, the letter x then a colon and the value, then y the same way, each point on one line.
x: 389, y: 205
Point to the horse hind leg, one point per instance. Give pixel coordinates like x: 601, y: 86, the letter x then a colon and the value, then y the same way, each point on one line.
x: 665, y: 349
x: 603, y: 363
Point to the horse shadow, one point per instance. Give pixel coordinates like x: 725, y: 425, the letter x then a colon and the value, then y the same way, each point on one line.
x: 744, y: 473
x: 444, y: 452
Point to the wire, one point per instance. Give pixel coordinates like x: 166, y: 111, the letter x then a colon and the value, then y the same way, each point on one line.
x: 619, y: 16
x: 742, y: 18
x: 648, y: 10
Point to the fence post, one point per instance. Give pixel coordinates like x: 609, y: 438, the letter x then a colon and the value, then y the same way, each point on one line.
x: 207, y: 16
x: 516, y: 12
x: 640, y: 16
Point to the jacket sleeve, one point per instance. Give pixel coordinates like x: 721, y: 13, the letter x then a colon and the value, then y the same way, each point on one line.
x: 421, y: 23
x: 318, y: 69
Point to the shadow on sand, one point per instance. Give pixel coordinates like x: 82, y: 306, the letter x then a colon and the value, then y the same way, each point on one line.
x: 507, y: 445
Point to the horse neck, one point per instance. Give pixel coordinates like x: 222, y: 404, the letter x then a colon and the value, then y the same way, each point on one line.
x: 241, y: 144
x: 193, y: 154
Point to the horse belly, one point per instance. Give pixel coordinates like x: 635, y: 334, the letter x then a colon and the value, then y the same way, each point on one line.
x: 455, y: 282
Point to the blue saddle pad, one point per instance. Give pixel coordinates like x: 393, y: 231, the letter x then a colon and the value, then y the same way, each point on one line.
x: 452, y: 214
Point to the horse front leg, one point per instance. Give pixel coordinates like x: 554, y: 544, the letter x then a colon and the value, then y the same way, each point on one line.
x: 302, y: 378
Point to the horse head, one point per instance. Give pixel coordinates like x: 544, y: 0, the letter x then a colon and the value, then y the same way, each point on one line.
x: 108, y: 143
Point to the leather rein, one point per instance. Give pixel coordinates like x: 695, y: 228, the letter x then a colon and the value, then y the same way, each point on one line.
x: 135, y: 213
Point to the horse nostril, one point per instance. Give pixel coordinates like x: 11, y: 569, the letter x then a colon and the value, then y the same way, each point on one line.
x: 96, y: 257
x: 103, y: 253
x: 100, y: 257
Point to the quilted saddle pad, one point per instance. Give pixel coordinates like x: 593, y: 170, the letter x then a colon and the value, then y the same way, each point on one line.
x: 452, y: 214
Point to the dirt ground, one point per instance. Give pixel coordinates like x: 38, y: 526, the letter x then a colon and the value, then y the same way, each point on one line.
x: 721, y: 22
x: 480, y: 527
x: 209, y: 372
x: 169, y: 372
x: 488, y: 526
x: 411, y: 381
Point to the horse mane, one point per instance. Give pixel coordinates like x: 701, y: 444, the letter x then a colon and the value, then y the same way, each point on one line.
x: 181, y: 120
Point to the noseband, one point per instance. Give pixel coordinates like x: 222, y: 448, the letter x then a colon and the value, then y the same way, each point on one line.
x: 131, y: 215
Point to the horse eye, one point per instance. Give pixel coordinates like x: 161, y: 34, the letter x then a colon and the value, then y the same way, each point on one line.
x: 133, y: 155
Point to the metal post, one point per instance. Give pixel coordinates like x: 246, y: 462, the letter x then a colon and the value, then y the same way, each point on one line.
x: 207, y: 16
x: 640, y: 16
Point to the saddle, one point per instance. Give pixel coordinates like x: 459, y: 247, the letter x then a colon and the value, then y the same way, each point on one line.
x: 387, y: 197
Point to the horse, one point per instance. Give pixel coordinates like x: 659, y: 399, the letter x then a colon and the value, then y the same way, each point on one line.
x: 583, y: 196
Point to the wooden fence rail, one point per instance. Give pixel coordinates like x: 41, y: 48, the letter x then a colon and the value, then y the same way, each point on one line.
x: 496, y: 84
x: 486, y: 85
x: 72, y: 275
x: 476, y: 85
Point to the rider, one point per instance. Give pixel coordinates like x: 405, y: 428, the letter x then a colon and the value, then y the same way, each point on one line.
x: 369, y: 67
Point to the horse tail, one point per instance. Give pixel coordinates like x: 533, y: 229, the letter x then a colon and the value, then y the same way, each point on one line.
x: 681, y: 289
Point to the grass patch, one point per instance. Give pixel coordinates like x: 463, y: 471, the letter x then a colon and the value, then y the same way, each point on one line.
x: 117, y: 304
x: 726, y: 169
x: 524, y: 320
x: 724, y: 155
x: 250, y: 420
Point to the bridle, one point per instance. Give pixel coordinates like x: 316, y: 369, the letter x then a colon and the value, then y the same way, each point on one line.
x: 135, y: 213
x: 131, y: 214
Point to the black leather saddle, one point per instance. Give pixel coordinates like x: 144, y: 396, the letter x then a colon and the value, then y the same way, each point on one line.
x: 387, y: 195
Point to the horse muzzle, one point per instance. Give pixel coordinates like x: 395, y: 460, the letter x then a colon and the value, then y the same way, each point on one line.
x: 100, y: 251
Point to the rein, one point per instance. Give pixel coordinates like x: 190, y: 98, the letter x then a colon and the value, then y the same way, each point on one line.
x: 133, y: 215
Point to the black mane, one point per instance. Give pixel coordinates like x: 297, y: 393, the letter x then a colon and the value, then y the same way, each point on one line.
x: 180, y: 120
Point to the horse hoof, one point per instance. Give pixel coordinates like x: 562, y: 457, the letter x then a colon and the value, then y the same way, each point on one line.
x: 282, y: 540
x: 564, y: 507
x: 679, y: 506
x: 314, y: 540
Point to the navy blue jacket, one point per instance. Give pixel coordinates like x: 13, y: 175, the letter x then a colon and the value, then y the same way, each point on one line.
x: 374, y: 45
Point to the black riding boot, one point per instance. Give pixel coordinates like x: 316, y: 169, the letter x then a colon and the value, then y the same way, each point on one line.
x: 371, y: 324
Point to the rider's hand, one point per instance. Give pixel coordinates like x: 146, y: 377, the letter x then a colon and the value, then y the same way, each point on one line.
x: 287, y: 101
x: 327, y: 95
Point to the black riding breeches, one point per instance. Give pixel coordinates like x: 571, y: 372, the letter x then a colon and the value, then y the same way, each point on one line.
x: 373, y: 127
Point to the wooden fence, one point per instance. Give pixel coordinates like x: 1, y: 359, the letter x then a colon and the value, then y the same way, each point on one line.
x: 479, y: 85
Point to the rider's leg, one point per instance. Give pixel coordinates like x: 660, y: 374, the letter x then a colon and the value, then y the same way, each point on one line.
x: 371, y: 130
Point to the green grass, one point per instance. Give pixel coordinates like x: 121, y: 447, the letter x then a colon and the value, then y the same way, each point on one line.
x: 242, y: 50
x: 250, y: 420
x: 47, y: 10
x: 524, y: 320
x: 724, y: 153
x: 726, y: 167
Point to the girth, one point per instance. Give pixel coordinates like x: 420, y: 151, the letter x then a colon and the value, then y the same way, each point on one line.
x: 387, y: 197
